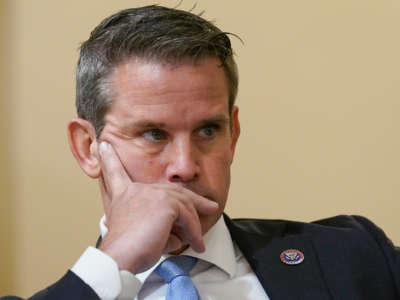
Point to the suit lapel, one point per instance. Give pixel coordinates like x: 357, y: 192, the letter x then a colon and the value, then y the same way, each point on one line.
x: 262, y: 244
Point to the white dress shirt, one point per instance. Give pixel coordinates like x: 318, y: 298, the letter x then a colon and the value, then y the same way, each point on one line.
x: 222, y: 272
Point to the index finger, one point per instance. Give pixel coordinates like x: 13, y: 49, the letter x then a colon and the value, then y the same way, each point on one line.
x: 114, y: 174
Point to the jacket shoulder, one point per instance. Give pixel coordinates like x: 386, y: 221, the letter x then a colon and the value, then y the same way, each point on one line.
x: 285, y: 227
x: 354, y: 240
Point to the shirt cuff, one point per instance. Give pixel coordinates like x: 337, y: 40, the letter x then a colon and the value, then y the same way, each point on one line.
x: 101, y: 273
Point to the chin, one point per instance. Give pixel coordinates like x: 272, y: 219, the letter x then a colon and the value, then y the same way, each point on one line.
x: 208, y: 221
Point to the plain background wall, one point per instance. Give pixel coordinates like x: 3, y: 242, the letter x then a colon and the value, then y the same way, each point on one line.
x: 319, y: 104
x: 6, y: 210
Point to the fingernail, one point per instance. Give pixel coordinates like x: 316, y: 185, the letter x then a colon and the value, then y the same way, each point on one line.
x: 103, y: 146
x: 215, y: 204
x: 201, y: 250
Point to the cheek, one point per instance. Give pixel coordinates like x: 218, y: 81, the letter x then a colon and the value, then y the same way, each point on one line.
x: 217, y: 169
x: 139, y: 166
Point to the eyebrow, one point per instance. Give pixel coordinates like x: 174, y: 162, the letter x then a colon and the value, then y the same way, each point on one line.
x: 220, y: 119
x: 146, y: 124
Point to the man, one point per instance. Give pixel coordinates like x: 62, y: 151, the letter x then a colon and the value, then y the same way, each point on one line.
x: 157, y: 126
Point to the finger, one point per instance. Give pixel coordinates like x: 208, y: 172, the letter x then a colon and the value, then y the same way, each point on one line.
x: 205, y: 206
x: 174, y: 243
x: 114, y: 174
x: 188, y: 227
x: 202, y: 204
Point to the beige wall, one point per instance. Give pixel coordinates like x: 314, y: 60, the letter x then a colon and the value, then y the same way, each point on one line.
x: 7, y: 220
x: 319, y: 99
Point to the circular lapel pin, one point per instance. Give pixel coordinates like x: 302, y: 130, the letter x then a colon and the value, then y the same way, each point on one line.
x: 292, y: 257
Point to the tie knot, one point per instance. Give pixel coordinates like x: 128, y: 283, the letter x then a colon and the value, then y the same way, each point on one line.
x: 175, y: 266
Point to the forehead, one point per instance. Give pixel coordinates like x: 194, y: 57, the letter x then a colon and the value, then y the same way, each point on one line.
x: 138, y: 82
x: 179, y: 96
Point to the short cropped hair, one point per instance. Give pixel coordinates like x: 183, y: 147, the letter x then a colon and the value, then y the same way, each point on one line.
x: 153, y: 33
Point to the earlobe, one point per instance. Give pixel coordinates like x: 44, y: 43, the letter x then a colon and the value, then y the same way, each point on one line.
x: 83, y: 144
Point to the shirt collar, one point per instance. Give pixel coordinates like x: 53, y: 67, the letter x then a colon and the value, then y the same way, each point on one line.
x: 220, y: 250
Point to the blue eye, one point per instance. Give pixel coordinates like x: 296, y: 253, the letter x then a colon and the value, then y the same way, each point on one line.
x: 209, y: 130
x: 154, y: 135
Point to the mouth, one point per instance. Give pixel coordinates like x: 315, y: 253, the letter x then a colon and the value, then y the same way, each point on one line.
x: 207, y: 196
x: 201, y: 191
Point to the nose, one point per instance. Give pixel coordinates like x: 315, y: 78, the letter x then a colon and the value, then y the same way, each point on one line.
x: 183, y: 163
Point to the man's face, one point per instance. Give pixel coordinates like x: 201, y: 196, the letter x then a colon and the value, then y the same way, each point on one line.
x: 172, y: 125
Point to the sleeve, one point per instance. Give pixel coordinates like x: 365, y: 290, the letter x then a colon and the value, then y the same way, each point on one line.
x: 68, y: 287
x: 100, y: 272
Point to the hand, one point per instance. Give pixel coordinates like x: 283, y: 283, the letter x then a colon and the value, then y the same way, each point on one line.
x: 146, y: 220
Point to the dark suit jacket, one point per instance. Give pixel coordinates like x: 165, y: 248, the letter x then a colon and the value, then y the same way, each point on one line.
x: 345, y: 257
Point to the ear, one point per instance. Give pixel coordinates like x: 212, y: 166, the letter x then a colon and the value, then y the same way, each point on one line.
x: 235, y: 129
x: 83, y: 144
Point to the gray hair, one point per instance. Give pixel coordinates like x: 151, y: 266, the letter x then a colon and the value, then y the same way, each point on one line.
x: 153, y: 33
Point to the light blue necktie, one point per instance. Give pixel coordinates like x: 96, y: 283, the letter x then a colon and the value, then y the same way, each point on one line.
x: 175, y: 270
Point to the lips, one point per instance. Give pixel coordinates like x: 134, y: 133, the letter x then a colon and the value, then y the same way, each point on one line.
x: 202, y: 192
